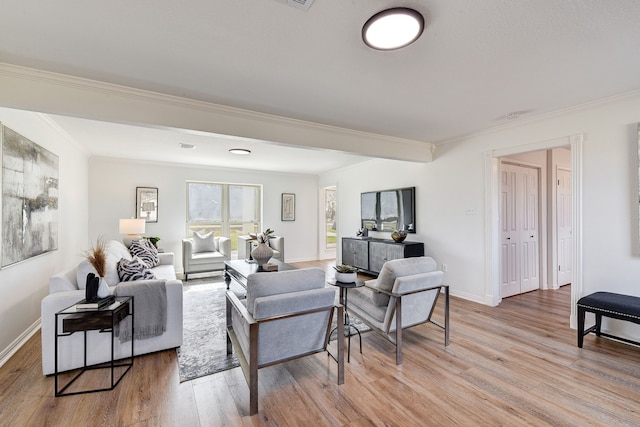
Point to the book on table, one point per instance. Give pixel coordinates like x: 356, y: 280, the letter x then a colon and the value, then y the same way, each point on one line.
x: 95, y: 305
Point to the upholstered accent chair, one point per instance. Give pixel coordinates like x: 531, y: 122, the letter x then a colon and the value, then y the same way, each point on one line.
x: 404, y: 295
x: 286, y: 315
x: 246, y: 244
x: 204, y: 253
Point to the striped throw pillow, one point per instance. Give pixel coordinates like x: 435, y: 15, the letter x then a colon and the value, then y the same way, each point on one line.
x: 136, y: 269
x: 145, y: 250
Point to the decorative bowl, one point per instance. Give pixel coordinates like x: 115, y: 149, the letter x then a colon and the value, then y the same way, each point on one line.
x: 399, y: 235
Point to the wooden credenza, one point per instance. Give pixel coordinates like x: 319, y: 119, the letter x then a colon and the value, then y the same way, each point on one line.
x: 369, y: 254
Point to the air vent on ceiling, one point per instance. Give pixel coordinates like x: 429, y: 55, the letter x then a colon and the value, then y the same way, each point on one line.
x: 298, y: 4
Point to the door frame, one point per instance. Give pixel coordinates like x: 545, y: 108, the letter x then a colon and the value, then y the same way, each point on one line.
x: 492, y: 215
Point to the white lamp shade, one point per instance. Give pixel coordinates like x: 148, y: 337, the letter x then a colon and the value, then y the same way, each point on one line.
x: 132, y: 226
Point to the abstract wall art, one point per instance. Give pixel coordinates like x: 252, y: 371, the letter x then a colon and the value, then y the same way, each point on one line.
x: 29, y: 198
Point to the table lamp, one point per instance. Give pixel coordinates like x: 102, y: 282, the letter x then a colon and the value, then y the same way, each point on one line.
x: 133, y: 228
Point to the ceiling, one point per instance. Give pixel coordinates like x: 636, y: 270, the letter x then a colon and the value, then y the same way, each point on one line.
x: 476, y: 62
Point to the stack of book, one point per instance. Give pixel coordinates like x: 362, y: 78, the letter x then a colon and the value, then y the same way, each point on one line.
x: 95, y: 305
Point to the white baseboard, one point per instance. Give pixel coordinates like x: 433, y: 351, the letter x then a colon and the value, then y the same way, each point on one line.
x: 6, y: 354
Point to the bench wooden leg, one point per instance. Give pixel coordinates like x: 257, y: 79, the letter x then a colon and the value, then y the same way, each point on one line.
x: 598, y: 324
x: 581, y: 314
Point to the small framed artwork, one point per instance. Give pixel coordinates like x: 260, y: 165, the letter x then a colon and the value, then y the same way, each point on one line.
x: 288, y: 207
x: 147, y: 203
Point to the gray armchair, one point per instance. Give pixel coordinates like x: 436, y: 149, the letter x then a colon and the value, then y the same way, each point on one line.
x: 404, y: 295
x: 245, y: 245
x: 205, y: 255
x: 286, y: 315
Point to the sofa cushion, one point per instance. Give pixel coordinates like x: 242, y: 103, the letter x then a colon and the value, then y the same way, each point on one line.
x: 203, y: 242
x: 136, y: 269
x: 84, y: 268
x: 145, y: 250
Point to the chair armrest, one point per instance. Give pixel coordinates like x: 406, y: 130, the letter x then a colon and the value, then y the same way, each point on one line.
x: 277, y: 243
x: 187, y: 249
x: 234, y: 302
x: 224, y: 246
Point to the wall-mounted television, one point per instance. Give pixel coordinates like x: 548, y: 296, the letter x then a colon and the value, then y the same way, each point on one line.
x: 389, y: 210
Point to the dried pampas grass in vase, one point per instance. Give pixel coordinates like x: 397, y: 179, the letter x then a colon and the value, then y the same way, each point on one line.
x: 97, y: 257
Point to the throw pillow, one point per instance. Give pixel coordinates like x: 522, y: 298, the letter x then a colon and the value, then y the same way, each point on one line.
x: 203, y: 243
x: 145, y: 250
x: 135, y: 269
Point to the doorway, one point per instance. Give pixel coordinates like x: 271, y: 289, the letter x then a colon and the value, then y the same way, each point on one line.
x: 327, y: 224
x: 492, y: 206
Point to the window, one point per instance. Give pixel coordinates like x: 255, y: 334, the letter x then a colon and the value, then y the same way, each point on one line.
x: 228, y: 210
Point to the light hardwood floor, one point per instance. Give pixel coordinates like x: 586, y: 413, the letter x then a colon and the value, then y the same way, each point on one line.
x: 516, y: 364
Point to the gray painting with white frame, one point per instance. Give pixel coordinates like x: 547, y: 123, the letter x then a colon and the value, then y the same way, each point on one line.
x: 29, y: 198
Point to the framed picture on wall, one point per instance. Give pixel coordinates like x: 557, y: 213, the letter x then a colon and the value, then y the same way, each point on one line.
x: 288, y: 207
x: 147, y: 203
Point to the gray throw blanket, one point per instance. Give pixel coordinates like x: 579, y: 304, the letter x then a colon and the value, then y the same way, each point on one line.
x: 150, y: 303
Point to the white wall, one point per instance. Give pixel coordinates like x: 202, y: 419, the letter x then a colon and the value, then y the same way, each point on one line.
x: 454, y: 181
x: 23, y: 285
x: 113, y: 185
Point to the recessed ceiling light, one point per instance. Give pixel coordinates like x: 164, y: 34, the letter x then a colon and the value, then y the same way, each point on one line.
x: 241, y: 151
x: 186, y: 146
x: 393, y: 28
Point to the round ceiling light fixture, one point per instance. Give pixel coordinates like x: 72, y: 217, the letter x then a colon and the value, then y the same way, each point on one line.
x: 393, y: 28
x: 240, y: 151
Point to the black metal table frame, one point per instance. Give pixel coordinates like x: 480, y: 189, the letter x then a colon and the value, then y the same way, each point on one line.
x: 111, y: 364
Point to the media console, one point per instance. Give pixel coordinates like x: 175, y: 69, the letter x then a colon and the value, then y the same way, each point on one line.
x: 369, y: 254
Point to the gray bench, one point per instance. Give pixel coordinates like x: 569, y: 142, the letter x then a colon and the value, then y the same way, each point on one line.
x: 616, y: 306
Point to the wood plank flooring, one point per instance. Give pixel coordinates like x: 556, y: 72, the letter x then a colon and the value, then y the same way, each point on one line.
x: 516, y: 364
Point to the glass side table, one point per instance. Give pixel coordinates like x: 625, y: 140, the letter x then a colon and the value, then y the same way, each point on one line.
x: 101, y: 320
x: 349, y: 327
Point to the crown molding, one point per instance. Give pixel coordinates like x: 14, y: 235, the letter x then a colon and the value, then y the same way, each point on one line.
x: 542, y: 116
x: 48, y: 92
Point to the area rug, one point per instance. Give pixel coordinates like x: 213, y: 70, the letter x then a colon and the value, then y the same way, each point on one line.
x: 204, y: 347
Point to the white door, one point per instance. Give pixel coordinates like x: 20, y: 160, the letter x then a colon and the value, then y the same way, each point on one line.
x: 509, y: 280
x: 520, y: 234
x: 563, y: 219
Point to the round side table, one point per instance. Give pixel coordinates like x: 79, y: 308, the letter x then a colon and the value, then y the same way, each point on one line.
x: 349, y: 327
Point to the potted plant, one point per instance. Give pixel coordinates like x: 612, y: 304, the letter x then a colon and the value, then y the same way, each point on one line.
x: 154, y: 240
x: 346, y: 273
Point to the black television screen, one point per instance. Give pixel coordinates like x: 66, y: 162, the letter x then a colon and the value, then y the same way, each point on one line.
x: 388, y: 210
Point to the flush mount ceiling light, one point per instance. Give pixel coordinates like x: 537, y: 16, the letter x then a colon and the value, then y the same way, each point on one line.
x: 240, y: 151
x: 393, y: 28
x: 186, y: 146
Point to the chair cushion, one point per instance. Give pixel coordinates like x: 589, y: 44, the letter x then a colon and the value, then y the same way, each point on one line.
x: 403, y: 267
x: 280, y: 282
x: 203, y: 242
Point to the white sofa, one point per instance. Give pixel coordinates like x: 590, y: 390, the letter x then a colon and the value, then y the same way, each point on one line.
x: 67, y: 287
